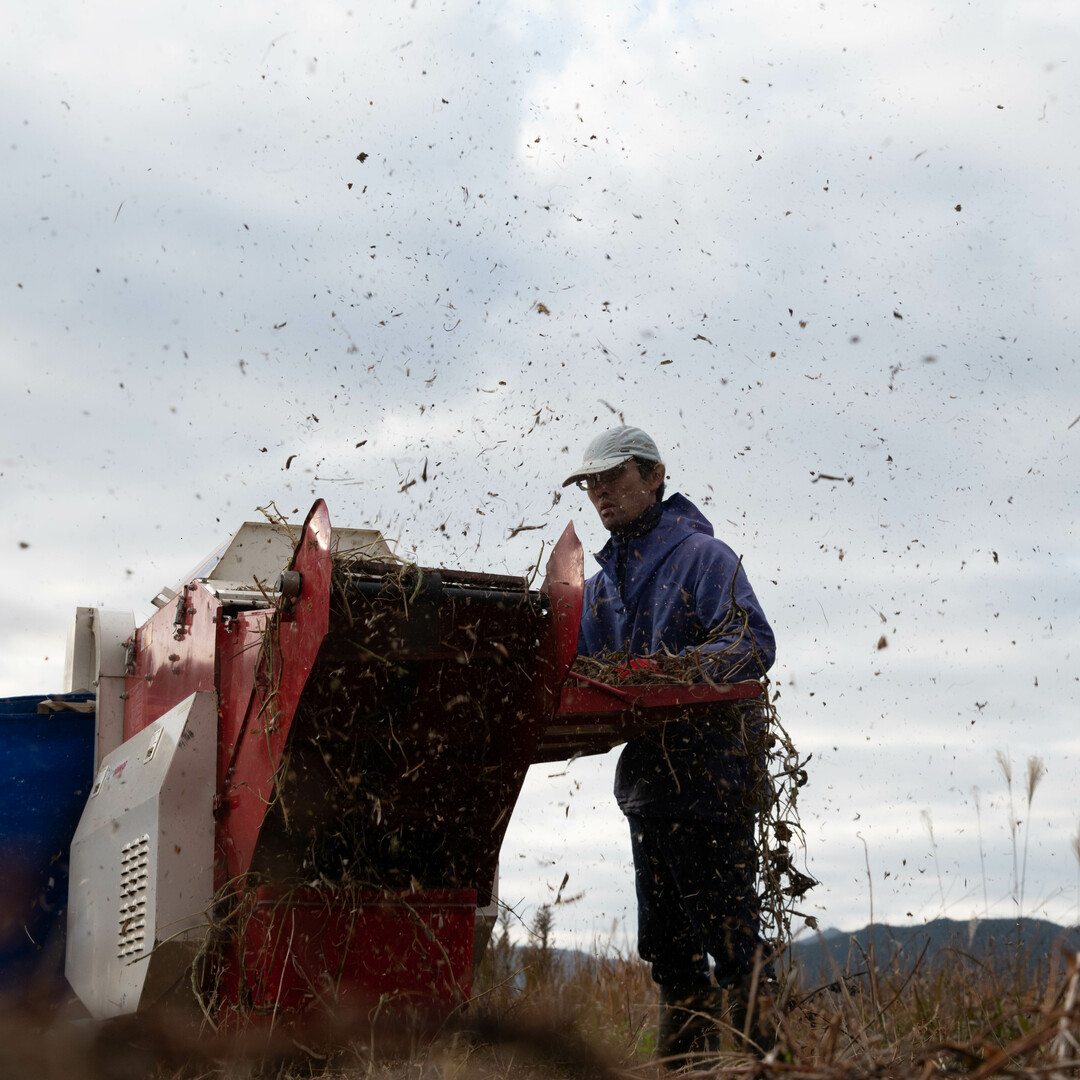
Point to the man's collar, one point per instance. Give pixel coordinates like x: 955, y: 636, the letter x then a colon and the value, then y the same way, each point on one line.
x: 642, y: 524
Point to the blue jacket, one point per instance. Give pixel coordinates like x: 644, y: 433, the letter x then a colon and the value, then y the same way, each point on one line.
x: 670, y: 589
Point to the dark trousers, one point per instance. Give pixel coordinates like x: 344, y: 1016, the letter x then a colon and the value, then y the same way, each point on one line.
x: 696, y: 898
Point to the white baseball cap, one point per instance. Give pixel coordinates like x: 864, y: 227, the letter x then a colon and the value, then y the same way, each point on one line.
x: 611, y: 448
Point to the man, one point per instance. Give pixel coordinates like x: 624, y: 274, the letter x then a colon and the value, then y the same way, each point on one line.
x: 666, y: 585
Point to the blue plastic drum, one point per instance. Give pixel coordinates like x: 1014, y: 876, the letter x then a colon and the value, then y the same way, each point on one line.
x: 46, y: 769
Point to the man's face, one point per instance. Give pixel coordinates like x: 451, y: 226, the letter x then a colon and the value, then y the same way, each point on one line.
x: 621, y: 495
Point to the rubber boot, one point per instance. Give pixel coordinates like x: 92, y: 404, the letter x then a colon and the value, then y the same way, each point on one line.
x: 687, y: 1028
x: 761, y: 1036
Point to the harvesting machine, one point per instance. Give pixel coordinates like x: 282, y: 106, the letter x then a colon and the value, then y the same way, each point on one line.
x: 287, y: 790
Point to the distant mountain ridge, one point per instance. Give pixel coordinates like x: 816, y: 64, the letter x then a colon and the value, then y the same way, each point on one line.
x: 827, y: 955
x: 1004, y: 942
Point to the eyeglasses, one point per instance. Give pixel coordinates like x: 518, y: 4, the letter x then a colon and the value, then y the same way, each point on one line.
x: 595, y: 480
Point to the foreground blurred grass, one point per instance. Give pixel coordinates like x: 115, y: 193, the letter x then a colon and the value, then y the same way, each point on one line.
x: 531, y: 1016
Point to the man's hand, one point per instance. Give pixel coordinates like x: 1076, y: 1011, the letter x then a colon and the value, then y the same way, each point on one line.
x: 639, y: 663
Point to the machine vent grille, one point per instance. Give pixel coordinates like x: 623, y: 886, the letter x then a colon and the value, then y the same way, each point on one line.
x: 134, y: 876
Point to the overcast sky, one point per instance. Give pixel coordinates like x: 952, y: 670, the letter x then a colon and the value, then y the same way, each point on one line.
x: 260, y: 253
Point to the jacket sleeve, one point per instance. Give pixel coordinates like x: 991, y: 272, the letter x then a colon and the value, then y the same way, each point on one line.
x: 597, y: 632
x: 738, y: 641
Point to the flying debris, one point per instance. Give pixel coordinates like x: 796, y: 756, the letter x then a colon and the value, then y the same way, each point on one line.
x: 523, y: 528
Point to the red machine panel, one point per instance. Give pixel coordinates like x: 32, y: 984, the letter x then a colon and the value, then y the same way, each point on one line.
x: 175, y: 656
x: 289, y: 647
x: 350, y: 951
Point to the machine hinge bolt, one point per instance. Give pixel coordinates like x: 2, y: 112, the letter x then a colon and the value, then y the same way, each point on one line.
x: 290, y: 584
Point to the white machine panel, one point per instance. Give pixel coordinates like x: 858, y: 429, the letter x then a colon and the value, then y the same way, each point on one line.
x: 142, y: 863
